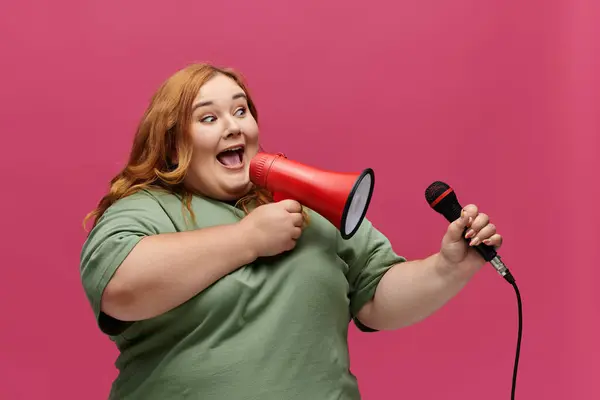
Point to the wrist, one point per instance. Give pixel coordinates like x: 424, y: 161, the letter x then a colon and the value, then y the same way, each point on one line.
x: 452, y: 271
x: 247, y: 238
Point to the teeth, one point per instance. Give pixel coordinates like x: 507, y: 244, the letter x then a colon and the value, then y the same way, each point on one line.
x: 234, y: 148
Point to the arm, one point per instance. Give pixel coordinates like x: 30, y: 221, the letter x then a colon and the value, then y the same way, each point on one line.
x: 411, y: 291
x: 135, y: 264
x: 134, y: 258
x: 165, y: 270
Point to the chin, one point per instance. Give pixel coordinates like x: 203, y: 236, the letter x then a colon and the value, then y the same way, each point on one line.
x: 237, y: 192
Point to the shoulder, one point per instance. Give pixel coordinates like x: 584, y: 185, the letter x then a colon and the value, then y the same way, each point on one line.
x: 147, y: 204
x: 146, y: 199
x: 121, y: 227
x: 167, y: 211
x: 142, y: 212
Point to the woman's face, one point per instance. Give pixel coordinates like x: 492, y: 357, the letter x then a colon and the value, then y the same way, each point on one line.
x: 225, y: 138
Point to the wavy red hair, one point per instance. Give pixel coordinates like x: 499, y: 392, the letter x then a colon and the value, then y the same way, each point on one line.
x: 162, y: 147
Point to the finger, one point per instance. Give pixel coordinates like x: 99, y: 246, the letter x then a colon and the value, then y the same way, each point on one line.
x: 291, y: 206
x: 495, y: 240
x: 469, y: 213
x: 485, y: 233
x: 298, y: 219
x: 480, y: 221
x: 457, y: 228
x: 296, y: 233
x: 291, y: 245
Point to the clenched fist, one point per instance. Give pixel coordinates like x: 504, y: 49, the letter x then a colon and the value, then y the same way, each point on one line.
x: 274, y: 228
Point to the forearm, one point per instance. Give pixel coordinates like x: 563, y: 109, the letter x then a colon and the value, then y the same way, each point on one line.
x: 411, y: 291
x: 165, y: 270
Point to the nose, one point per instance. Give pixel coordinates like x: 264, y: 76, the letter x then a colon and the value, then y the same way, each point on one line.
x: 232, y: 129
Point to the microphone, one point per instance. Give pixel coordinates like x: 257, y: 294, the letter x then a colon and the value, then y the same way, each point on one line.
x: 442, y: 198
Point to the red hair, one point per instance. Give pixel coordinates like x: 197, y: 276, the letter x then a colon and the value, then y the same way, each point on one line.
x: 162, y: 147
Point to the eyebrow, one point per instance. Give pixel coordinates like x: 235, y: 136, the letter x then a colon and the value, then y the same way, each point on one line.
x: 209, y: 102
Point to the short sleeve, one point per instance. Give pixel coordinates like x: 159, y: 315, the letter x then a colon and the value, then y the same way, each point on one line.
x: 117, y: 232
x: 369, y: 255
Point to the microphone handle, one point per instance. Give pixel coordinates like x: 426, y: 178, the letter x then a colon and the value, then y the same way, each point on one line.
x: 488, y: 253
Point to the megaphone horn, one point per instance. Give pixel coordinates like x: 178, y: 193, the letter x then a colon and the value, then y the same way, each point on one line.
x: 341, y: 198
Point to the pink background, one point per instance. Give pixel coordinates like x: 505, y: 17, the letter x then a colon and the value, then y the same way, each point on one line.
x: 506, y: 91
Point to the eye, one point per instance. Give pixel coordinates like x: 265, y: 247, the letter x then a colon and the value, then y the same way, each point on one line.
x: 240, y: 112
x: 208, y: 118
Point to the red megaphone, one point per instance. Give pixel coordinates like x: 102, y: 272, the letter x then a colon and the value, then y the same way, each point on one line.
x: 341, y: 198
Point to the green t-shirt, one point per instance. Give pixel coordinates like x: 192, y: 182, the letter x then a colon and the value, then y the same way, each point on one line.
x: 275, y: 329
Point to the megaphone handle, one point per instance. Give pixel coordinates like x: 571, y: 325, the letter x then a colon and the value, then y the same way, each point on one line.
x: 279, y: 196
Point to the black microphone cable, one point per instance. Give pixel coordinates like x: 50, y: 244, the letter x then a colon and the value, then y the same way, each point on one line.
x: 442, y: 199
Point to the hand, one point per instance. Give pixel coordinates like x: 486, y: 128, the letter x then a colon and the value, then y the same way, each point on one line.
x: 274, y: 228
x: 459, y: 253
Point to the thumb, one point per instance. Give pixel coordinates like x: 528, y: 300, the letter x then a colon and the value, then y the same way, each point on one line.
x: 457, y: 228
x: 291, y: 206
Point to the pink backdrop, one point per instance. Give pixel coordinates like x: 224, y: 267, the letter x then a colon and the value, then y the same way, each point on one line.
x: 498, y: 98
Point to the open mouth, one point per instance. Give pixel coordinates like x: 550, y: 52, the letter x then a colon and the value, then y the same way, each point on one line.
x: 232, y: 158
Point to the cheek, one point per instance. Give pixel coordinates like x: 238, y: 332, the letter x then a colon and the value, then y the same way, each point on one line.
x: 203, y: 160
x: 251, y: 130
x: 205, y: 142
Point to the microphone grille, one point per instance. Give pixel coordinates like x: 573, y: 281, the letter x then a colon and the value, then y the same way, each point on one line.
x: 435, y: 190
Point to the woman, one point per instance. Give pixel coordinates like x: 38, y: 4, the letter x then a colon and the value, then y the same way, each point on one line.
x: 213, y: 291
